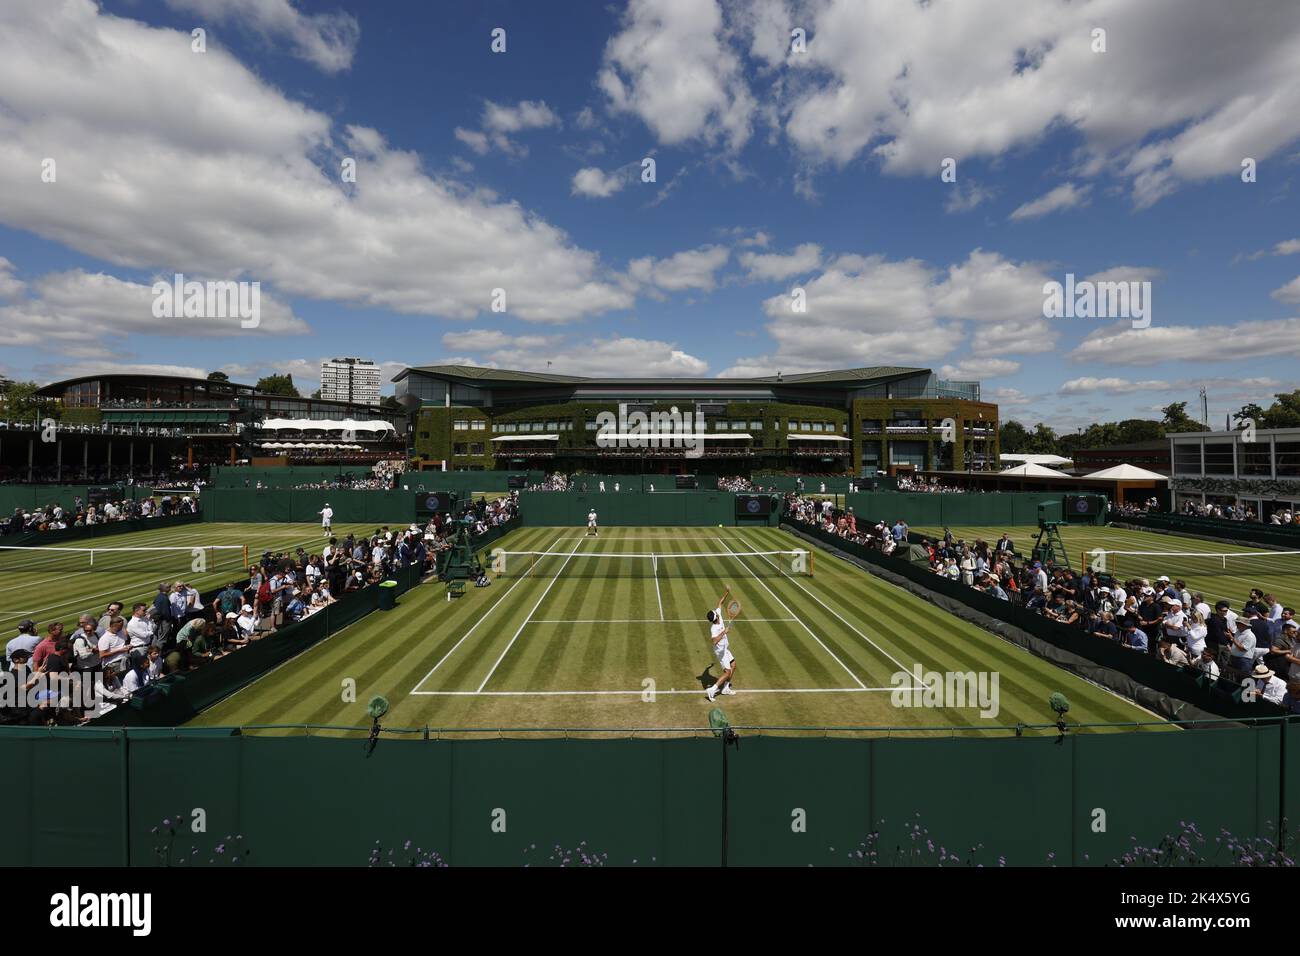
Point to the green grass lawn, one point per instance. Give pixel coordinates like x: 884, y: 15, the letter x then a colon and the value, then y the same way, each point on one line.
x: 60, y: 585
x: 581, y: 645
x: 1277, y: 576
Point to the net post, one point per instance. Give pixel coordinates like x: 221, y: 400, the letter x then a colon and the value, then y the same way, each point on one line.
x: 245, y: 553
x: 810, y: 562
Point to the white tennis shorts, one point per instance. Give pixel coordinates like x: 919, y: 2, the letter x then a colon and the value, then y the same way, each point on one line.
x: 724, y: 656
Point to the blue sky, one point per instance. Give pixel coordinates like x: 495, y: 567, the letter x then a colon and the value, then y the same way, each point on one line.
x: 776, y: 168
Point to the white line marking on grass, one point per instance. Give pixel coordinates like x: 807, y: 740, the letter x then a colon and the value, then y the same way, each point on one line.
x: 638, y: 693
x: 641, y: 620
x: 791, y: 613
x: 658, y: 593
x: 466, y: 635
x: 891, y: 657
x: 555, y: 577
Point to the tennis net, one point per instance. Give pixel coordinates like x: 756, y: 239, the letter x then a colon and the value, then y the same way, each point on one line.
x: 200, y: 559
x: 1192, y: 564
x: 704, y: 564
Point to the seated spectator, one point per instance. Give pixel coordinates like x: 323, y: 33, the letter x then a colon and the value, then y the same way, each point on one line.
x: 1268, y: 685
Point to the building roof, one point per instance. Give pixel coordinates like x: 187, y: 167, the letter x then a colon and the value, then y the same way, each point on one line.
x: 1127, y: 473
x: 499, y: 376
x: 1030, y: 470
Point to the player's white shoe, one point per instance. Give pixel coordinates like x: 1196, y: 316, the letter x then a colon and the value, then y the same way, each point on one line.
x: 728, y: 691
x: 711, y: 692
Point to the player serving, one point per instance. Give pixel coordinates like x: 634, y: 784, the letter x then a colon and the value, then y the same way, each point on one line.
x: 591, y: 522
x: 719, y: 629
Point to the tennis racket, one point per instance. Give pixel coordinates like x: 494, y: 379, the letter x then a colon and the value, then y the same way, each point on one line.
x: 733, y: 609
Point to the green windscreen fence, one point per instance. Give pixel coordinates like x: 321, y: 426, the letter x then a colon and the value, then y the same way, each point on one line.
x: 29, y: 497
x: 633, y: 509
x: 319, y: 800
x: 1009, y: 509
x: 279, y: 507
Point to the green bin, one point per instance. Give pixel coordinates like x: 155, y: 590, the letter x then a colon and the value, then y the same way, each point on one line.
x: 387, y: 595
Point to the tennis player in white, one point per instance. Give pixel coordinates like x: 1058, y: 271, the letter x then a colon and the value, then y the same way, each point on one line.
x: 718, y: 635
x: 326, y: 518
x: 591, y: 522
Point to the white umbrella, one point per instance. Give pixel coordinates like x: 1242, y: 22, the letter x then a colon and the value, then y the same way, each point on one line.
x: 1029, y: 470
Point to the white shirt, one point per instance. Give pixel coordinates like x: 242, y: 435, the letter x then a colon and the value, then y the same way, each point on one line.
x: 113, y: 642
x: 247, y: 623
x: 140, y: 631
x: 591, y: 517
x: 716, y: 629
x: 326, y: 514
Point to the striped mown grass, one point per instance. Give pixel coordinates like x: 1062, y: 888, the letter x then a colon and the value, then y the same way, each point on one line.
x: 60, y: 587
x: 1232, y: 585
x: 573, y: 648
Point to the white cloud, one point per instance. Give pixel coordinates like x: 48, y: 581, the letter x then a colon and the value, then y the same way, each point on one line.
x: 1289, y: 293
x: 616, y: 355
x: 10, y: 285
x: 692, y: 269
x: 253, y: 190
x: 669, y: 66
x: 868, y: 310
x: 914, y: 83
x: 76, y: 307
x: 1065, y: 196
x: 975, y: 368
x: 1126, y: 274
x: 1113, y: 386
x: 1288, y: 247
x: 328, y: 40
x: 1009, y: 397
x: 500, y: 122
x: 597, y: 184
x: 1124, y: 345
x: 774, y: 266
x: 963, y: 197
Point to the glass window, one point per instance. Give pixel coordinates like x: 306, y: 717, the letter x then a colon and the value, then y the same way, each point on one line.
x: 458, y: 448
x: 756, y: 426
x: 1218, y: 458
x: 476, y: 448
x: 1254, y: 459
x: 590, y: 425
x: 1288, y: 458
x: 792, y: 425
x: 737, y: 426
x: 552, y: 426
x: 720, y: 426
x: 478, y: 425
x: 1187, y: 458
x: 818, y: 426
x: 907, y: 453
x: 460, y: 426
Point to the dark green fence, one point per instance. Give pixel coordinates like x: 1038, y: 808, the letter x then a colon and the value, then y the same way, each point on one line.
x: 318, y: 800
x: 633, y: 509
x: 71, y: 535
x: 279, y: 506
x: 1008, y: 509
x: 28, y: 497
x: 1281, y: 536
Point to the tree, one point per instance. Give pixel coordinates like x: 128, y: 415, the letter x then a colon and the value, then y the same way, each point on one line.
x: 1012, y: 438
x: 218, y: 377
x: 1043, y: 441
x: 278, y: 385
x: 316, y: 394
x: 1133, y: 430
x: 19, y: 400
x: 1283, y: 413
x: 1176, y: 419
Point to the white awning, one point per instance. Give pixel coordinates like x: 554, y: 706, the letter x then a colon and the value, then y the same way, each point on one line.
x: 527, y: 438
x: 323, y: 424
x: 1048, y: 460
x: 821, y: 437
x: 1127, y: 472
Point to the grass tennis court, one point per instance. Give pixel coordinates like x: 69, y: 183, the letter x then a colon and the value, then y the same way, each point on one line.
x: 581, y: 641
x: 1279, y: 577
x: 60, y: 585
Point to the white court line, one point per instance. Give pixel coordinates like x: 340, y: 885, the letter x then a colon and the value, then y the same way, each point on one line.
x: 641, y: 620
x: 801, y: 623
x: 638, y: 693
x: 891, y: 657
x: 555, y: 577
x: 466, y: 635
x: 658, y: 593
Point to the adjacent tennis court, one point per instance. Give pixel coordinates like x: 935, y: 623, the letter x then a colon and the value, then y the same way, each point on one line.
x: 609, y: 632
x: 60, y: 583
